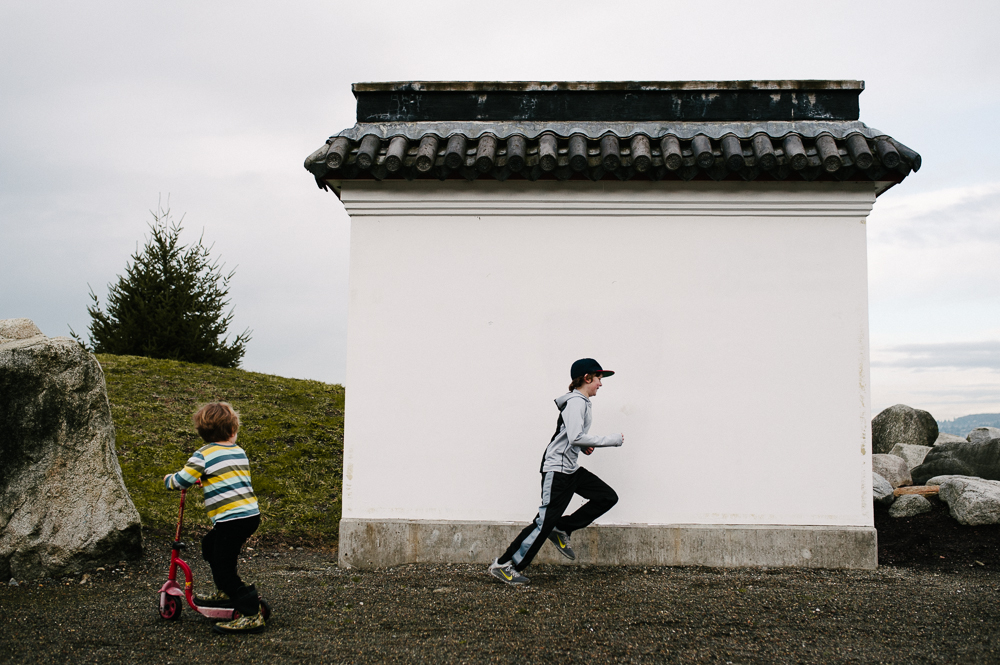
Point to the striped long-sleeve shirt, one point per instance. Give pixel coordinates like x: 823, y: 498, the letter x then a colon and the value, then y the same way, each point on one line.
x: 224, y: 471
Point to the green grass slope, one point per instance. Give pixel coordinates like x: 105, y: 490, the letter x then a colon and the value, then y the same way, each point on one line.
x: 292, y: 431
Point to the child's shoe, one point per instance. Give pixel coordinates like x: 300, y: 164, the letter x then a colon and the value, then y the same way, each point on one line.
x: 214, y: 599
x: 244, y: 624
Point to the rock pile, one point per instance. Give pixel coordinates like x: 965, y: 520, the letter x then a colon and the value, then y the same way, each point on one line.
x: 63, y: 505
x: 920, y: 462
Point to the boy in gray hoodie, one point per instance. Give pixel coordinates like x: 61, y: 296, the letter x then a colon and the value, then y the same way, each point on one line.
x: 562, y: 477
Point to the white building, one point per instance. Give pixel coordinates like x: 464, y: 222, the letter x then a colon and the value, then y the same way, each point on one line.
x: 706, y: 241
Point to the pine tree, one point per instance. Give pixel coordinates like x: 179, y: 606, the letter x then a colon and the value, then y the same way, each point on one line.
x: 169, y: 304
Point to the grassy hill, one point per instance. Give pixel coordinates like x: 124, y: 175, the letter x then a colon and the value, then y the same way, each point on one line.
x: 292, y: 431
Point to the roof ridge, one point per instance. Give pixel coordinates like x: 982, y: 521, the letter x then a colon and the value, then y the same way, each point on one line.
x: 553, y: 86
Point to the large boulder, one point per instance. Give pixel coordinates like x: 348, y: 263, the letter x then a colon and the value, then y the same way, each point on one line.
x: 912, y: 455
x: 63, y: 505
x: 960, y: 459
x: 902, y: 424
x: 972, y: 501
x: 983, y: 434
x: 944, y: 437
x: 893, y: 469
x: 882, y: 490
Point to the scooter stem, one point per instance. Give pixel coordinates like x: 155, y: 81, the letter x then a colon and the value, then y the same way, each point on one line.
x: 180, y: 518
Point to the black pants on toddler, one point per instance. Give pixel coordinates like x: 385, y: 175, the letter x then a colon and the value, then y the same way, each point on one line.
x: 221, y: 549
x: 557, y: 491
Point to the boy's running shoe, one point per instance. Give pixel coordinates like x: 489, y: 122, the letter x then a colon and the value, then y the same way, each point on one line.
x: 507, y: 573
x: 561, y: 540
x: 243, y: 624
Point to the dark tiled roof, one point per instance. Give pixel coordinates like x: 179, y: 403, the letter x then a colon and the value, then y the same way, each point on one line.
x: 721, y: 130
x: 620, y: 151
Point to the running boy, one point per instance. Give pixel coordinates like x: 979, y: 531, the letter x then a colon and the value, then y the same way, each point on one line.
x: 224, y: 471
x: 562, y: 477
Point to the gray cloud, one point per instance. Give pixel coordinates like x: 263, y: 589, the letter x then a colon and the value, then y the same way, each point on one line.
x: 967, y: 214
x: 108, y: 104
x: 955, y: 355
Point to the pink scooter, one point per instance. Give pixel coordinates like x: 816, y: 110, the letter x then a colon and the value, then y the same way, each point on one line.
x: 171, y: 592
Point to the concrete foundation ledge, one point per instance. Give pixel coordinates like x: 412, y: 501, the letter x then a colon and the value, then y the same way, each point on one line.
x: 389, y: 542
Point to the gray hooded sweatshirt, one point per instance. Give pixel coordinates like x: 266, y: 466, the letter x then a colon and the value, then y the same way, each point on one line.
x: 562, y: 451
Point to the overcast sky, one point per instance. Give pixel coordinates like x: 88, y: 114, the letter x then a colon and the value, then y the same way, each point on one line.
x: 107, y: 107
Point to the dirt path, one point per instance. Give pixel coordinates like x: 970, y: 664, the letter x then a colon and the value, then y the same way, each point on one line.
x: 456, y: 614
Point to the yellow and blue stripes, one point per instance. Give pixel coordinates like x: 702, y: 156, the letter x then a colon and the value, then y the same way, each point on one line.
x: 224, y: 471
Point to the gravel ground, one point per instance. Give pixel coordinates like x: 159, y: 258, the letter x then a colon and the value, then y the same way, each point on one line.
x: 457, y: 614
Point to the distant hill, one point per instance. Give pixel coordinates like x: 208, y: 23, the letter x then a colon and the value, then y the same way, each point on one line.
x: 962, y: 426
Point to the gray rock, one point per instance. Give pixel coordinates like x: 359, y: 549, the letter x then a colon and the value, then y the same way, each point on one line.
x: 983, y: 434
x: 912, y: 455
x: 909, y: 505
x: 12, y: 582
x: 972, y: 501
x: 960, y: 459
x: 882, y: 490
x: 893, y: 469
x: 944, y: 437
x: 937, y: 480
x: 63, y: 505
x: 902, y: 424
x: 18, y: 329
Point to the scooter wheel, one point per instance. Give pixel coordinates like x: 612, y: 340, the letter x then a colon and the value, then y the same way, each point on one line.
x: 170, y: 607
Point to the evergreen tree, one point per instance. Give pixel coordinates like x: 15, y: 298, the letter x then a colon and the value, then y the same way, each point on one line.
x: 169, y: 304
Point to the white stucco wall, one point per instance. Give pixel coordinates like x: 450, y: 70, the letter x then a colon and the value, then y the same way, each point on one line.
x: 735, y: 314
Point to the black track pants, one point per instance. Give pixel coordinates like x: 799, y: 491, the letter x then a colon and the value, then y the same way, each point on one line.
x: 221, y: 548
x: 557, y: 491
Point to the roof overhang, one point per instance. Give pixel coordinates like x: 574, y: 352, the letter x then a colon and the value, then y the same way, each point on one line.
x: 718, y: 130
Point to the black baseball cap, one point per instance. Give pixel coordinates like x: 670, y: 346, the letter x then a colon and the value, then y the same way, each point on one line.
x: 587, y: 366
